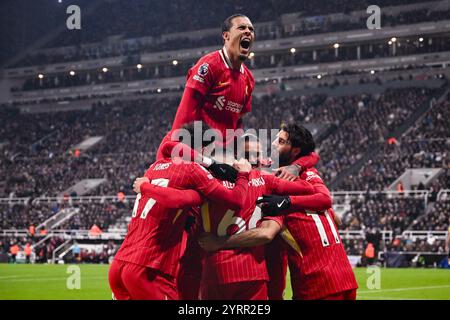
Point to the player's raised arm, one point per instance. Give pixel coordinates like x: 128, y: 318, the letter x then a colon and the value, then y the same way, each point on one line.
x: 199, y: 81
x: 265, y: 233
x: 284, y: 187
x: 169, y: 197
x: 212, y: 189
x: 319, y: 201
x: 292, y: 171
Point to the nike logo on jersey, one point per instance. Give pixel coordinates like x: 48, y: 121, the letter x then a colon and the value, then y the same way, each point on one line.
x: 221, y: 84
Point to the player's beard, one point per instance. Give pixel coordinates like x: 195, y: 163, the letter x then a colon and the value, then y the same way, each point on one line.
x: 284, y: 159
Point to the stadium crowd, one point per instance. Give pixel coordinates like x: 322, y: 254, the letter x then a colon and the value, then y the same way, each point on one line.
x: 424, y: 146
x: 41, y: 161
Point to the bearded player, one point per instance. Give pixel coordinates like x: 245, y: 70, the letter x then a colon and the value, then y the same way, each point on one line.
x: 318, y: 263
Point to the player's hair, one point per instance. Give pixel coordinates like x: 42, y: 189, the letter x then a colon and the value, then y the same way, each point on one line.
x: 299, y: 137
x: 228, y: 22
x: 195, y: 132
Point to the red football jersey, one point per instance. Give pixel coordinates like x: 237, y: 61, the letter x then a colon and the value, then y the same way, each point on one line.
x: 242, y: 264
x: 155, y: 233
x: 318, y: 263
x: 226, y: 93
x: 191, y: 263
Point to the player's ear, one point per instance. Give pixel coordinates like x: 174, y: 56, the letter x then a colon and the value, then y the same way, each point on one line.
x: 226, y: 36
x: 295, y: 151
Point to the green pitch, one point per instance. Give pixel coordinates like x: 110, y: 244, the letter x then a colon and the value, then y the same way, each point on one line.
x: 50, y: 282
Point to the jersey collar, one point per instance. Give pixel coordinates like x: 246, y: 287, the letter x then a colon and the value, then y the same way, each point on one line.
x: 226, y: 59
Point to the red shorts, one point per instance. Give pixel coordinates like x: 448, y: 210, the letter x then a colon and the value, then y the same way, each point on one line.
x: 129, y: 281
x: 247, y: 290
x: 344, y: 295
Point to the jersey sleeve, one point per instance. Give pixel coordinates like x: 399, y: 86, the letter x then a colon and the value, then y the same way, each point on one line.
x: 171, y: 197
x: 277, y: 219
x: 308, y: 161
x: 201, y: 76
x: 319, y: 201
x: 283, y: 187
x: 203, y: 182
x: 189, y: 108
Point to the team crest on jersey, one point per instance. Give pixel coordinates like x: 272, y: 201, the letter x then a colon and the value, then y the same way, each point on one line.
x: 203, y: 70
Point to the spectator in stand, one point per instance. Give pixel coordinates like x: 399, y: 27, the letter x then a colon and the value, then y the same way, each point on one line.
x: 14, y: 250
x: 27, y: 250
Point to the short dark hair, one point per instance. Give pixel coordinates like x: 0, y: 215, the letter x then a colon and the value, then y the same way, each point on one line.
x: 300, y: 137
x: 228, y: 22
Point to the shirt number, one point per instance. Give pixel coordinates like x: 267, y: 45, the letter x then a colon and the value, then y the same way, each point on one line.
x: 321, y: 229
x: 230, y: 219
x: 150, y: 202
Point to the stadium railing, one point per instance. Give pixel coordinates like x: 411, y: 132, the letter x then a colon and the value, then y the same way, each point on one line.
x: 425, y: 234
x: 444, y: 194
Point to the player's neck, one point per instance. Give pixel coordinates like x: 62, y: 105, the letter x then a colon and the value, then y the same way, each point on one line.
x: 234, y: 62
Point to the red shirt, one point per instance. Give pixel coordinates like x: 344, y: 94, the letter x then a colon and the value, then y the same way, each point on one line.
x: 226, y: 93
x: 155, y: 233
x: 317, y: 259
x: 243, y: 264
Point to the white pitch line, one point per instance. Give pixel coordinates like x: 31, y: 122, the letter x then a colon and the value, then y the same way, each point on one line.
x: 9, y: 277
x: 386, y: 298
x: 404, y: 289
x: 50, y: 279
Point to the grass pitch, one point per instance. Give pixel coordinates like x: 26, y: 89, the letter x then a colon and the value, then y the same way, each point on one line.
x: 42, y: 282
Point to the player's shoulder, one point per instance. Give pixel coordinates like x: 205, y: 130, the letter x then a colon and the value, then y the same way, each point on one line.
x: 199, y: 169
x: 310, y: 173
x: 211, y: 60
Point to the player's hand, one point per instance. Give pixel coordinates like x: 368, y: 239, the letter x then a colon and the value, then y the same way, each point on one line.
x: 289, y: 173
x: 138, y: 182
x: 242, y: 165
x: 272, y: 205
x: 223, y: 171
x: 210, y: 242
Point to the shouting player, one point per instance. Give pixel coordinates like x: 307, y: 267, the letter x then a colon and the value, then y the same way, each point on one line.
x: 219, y: 87
x: 318, y: 263
x: 146, y: 264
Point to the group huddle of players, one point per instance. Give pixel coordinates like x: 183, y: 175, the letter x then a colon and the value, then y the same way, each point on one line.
x: 203, y: 229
